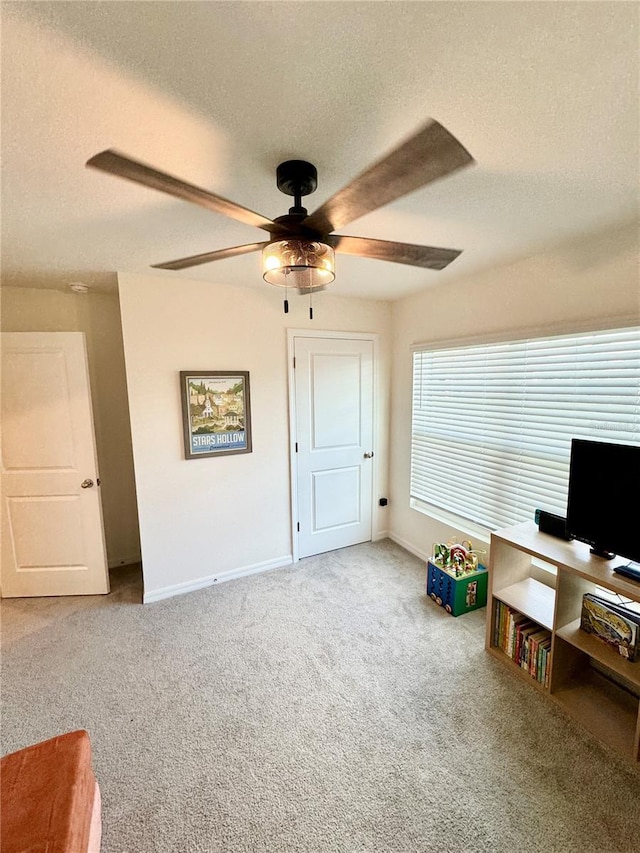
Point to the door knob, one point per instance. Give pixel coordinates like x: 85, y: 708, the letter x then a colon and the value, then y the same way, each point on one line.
x: 86, y: 484
x: 368, y: 455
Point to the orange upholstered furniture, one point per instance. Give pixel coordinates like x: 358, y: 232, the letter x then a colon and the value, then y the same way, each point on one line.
x: 50, y: 799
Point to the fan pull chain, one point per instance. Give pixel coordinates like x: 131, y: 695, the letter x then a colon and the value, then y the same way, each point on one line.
x: 311, y: 304
x: 286, y: 300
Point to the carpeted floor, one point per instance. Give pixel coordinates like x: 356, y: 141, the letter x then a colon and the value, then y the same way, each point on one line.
x: 325, y: 708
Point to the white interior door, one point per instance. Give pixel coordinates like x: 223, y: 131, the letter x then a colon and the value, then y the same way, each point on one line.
x: 334, y: 437
x: 52, y: 535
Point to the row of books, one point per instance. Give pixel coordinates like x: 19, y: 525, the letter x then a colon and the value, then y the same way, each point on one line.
x: 524, y: 641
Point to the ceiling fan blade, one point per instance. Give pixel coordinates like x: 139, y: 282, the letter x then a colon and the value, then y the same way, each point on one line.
x: 117, y: 164
x: 430, y: 154
x: 207, y: 257
x: 429, y: 257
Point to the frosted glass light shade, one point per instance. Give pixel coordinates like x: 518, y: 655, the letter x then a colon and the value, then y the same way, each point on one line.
x: 306, y: 265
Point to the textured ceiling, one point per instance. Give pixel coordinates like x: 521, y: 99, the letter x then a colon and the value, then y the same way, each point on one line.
x: 544, y: 95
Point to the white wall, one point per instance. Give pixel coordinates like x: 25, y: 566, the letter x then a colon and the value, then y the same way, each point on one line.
x: 97, y: 314
x: 592, y: 282
x: 205, y: 518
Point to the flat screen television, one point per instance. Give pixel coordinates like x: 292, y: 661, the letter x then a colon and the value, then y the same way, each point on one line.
x: 603, y: 507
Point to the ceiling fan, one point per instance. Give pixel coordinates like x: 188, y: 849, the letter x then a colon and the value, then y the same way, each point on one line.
x: 300, y: 250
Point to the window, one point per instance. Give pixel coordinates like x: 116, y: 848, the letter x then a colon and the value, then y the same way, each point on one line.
x: 492, y: 424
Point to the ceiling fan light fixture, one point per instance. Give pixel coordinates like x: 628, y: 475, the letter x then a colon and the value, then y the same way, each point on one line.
x: 300, y: 251
x: 305, y: 265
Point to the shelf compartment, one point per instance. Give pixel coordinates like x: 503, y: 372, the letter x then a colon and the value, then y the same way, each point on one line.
x: 600, y: 651
x: 497, y: 652
x: 603, y: 708
x: 520, y: 640
x: 531, y: 598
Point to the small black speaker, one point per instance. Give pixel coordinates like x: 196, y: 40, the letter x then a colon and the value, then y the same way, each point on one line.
x: 554, y: 525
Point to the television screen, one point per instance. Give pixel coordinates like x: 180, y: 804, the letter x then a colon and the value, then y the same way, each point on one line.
x: 603, y: 505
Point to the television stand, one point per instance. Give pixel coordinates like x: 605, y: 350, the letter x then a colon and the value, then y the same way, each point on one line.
x: 587, y: 678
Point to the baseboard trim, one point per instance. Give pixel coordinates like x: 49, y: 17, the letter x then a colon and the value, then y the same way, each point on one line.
x: 381, y: 534
x: 210, y: 580
x: 124, y: 561
x: 408, y: 546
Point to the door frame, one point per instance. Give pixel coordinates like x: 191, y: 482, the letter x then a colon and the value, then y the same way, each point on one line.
x: 293, y: 465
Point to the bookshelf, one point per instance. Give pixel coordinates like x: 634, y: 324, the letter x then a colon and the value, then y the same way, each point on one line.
x: 591, y: 682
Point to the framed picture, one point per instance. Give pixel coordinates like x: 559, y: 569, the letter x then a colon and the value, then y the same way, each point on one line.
x: 216, y: 412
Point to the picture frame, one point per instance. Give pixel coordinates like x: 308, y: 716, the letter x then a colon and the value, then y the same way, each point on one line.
x: 216, y: 412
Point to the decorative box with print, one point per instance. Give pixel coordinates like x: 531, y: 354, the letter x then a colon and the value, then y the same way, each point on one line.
x: 455, y: 578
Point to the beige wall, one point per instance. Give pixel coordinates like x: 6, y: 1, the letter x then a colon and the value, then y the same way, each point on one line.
x: 214, y: 516
x: 592, y: 282
x: 31, y: 309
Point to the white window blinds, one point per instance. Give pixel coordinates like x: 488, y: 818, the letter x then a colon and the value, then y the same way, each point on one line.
x: 492, y: 424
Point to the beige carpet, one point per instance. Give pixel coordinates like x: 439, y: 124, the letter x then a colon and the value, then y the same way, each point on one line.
x: 326, y: 708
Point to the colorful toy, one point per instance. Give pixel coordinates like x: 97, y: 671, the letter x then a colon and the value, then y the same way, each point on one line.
x: 455, y: 578
x: 458, y: 559
x: 457, y: 593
